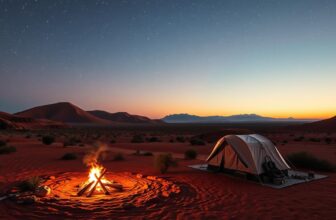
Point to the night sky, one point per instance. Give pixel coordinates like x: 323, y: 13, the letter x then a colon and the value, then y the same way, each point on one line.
x: 273, y: 58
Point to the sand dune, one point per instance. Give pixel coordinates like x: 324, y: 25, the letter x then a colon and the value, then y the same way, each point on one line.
x: 323, y: 125
x: 9, y: 121
x: 64, y: 112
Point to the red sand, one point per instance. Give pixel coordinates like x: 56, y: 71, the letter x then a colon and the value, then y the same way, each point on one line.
x: 203, y: 196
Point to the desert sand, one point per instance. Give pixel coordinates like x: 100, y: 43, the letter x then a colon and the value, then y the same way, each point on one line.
x: 182, y: 193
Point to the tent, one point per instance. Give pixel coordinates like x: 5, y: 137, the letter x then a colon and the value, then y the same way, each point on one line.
x: 245, y: 153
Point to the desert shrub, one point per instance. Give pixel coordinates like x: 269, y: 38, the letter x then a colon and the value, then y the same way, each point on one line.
x: 190, y: 154
x: 28, y: 136
x: 284, y: 142
x: 69, y: 156
x: 180, y: 139
x: 328, y: 140
x: 7, y: 149
x: 197, y: 141
x: 47, y: 139
x: 309, y: 161
x: 138, y: 139
x: 162, y: 162
x: 301, y: 138
x: 315, y: 139
x: 171, y: 140
x: 113, y: 141
x: 118, y: 157
x: 153, y: 139
x: 30, y: 184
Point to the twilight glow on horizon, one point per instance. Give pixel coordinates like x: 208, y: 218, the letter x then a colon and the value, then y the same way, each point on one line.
x: 153, y: 58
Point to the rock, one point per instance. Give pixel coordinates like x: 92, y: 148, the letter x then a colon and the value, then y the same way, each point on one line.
x: 139, y: 176
x: 52, y: 177
x: 42, y: 191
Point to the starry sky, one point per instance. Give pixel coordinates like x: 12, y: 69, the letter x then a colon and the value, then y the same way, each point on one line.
x: 153, y: 58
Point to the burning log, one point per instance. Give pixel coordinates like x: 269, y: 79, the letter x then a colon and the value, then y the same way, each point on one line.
x: 102, y: 185
x: 97, y: 182
x: 83, y: 190
x: 115, y: 186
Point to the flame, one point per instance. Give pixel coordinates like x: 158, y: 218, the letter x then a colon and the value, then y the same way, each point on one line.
x: 96, y: 170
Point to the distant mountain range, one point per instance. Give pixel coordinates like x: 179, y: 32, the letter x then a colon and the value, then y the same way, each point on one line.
x: 186, y: 118
x: 62, y: 114
x: 123, y: 117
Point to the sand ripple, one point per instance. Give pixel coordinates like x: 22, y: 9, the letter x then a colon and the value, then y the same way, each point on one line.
x: 139, y: 193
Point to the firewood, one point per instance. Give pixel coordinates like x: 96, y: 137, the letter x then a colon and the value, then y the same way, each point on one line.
x: 83, y: 190
x: 115, y: 186
x: 102, y: 185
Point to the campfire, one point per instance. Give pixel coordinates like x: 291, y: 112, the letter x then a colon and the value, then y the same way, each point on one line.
x: 97, y: 182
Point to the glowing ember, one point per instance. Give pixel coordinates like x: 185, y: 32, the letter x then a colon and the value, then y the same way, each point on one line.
x: 97, y: 181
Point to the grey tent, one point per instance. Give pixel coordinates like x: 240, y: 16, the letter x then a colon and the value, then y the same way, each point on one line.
x: 245, y: 153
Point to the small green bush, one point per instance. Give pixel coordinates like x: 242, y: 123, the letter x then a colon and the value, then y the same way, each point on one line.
x: 197, y: 141
x: 162, y: 162
x: 30, y: 184
x: 138, y: 139
x: 7, y: 149
x: 69, y: 156
x: 118, y: 157
x: 47, y: 139
x: 308, y: 161
x: 190, y: 154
